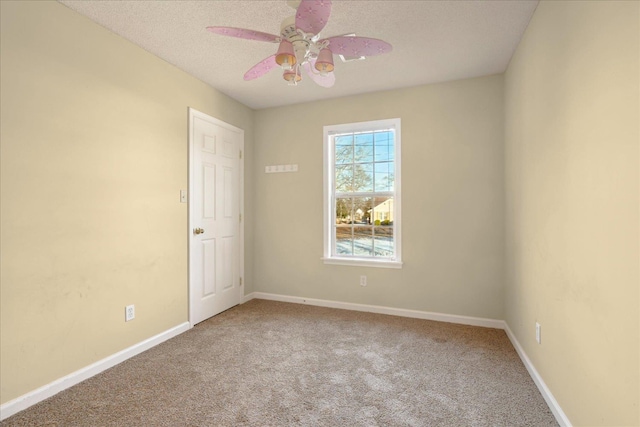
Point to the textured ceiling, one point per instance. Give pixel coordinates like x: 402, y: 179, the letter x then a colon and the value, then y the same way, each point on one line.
x: 433, y: 41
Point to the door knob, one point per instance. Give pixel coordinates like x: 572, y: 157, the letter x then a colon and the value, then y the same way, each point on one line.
x: 198, y: 231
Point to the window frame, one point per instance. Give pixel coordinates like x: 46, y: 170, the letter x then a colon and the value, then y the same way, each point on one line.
x: 329, y: 217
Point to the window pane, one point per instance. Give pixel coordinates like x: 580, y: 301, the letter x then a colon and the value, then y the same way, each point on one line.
x: 363, y: 241
x: 344, y: 210
x: 363, y: 148
x: 383, y: 211
x: 384, y: 146
x: 383, y: 241
x: 344, y: 149
x: 362, y: 210
x: 344, y: 240
x: 384, y: 176
x: 363, y: 177
x: 344, y: 178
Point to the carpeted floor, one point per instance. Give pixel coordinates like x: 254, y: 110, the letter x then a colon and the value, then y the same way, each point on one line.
x: 268, y: 363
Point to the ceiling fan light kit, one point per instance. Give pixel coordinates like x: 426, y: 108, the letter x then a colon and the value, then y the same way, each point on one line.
x: 300, y: 45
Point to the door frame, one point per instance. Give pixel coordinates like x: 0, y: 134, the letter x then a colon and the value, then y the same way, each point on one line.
x: 193, y: 113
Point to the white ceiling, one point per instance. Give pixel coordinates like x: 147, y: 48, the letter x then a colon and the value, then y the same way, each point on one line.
x: 433, y: 41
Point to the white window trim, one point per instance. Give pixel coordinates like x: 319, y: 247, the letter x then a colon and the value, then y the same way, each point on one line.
x: 329, y: 211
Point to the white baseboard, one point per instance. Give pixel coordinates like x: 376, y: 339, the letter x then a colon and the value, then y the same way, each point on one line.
x: 23, y: 402
x: 247, y: 298
x: 557, y: 411
x: 440, y: 317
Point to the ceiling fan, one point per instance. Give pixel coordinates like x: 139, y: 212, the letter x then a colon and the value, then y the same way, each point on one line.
x: 301, y: 46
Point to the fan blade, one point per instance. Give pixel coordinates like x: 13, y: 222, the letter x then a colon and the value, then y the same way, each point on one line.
x: 326, y: 80
x: 312, y: 15
x: 358, y: 46
x: 244, y: 34
x: 261, y: 68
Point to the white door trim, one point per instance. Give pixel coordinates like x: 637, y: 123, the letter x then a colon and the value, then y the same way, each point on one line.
x: 193, y: 113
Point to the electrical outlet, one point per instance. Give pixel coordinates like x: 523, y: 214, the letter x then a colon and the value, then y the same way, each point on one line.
x: 129, y: 312
x: 538, y: 332
x: 363, y: 280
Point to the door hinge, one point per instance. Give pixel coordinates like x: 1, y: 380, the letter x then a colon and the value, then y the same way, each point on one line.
x: 241, y: 281
x: 240, y: 217
x: 240, y: 153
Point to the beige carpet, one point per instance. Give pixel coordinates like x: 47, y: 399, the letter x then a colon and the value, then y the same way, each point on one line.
x: 277, y: 364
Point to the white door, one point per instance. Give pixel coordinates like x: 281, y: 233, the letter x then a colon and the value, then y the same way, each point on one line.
x: 215, y: 257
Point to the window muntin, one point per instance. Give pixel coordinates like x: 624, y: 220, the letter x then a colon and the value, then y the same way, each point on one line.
x: 362, y: 189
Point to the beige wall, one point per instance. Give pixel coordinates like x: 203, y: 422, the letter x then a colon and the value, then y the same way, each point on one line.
x: 94, y: 154
x: 452, y: 195
x: 572, y: 199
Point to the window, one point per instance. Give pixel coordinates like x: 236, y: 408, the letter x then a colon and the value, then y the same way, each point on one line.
x: 362, y: 194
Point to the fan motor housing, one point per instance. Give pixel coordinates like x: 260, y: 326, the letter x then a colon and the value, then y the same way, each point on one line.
x: 290, y: 33
x: 288, y: 28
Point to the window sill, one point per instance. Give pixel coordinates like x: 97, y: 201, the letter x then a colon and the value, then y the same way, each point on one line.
x: 363, y: 262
